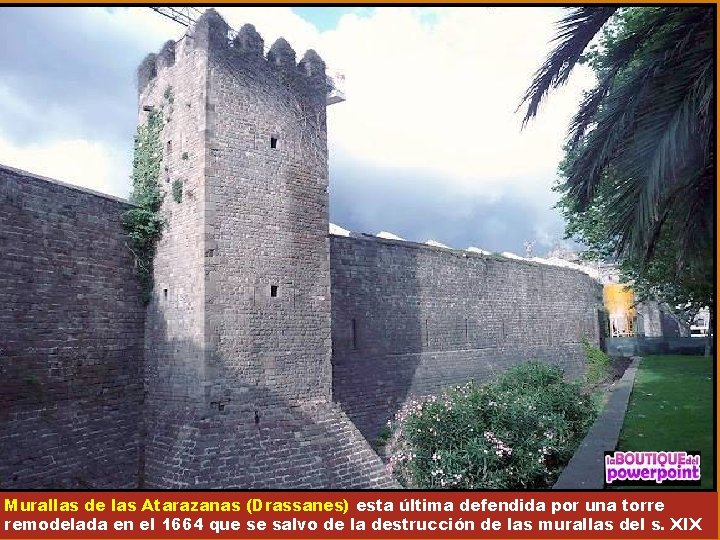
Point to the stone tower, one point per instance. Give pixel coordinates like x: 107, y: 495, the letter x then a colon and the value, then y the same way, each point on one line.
x: 238, y: 368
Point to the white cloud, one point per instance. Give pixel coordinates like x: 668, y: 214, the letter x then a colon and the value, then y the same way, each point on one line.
x: 429, y: 89
x: 58, y: 122
x: 81, y: 162
x: 140, y: 24
x: 437, y: 89
x: 442, y: 95
x: 273, y: 23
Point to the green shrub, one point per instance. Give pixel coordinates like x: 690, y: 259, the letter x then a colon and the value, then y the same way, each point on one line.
x: 598, y: 363
x: 516, y: 432
x: 168, y: 94
x: 143, y: 222
x: 383, y: 436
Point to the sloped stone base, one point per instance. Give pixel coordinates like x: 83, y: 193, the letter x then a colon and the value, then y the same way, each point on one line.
x: 304, y: 446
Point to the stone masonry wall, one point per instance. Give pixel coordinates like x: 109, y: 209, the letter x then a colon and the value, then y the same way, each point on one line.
x: 410, y: 319
x: 71, y: 339
x: 174, y: 83
x: 238, y: 349
x: 268, y: 261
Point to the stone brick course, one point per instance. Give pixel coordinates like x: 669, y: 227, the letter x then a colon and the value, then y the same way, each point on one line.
x: 71, y: 338
x: 409, y: 319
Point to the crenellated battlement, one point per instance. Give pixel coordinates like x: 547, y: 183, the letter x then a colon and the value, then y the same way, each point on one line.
x: 241, y: 51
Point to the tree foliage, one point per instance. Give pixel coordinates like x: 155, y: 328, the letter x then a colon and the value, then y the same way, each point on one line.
x: 686, y: 283
x: 638, y: 177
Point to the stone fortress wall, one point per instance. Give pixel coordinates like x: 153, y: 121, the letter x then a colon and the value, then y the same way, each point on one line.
x: 410, y: 319
x: 265, y: 336
x: 71, y: 338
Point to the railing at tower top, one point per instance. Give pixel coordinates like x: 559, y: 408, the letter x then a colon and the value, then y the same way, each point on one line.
x: 336, y: 88
x: 188, y: 15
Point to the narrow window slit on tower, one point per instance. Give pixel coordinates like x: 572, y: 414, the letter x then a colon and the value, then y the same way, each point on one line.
x: 165, y: 293
x: 169, y: 148
x: 273, y: 142
x: 354, y: 334
x: 273, y: 290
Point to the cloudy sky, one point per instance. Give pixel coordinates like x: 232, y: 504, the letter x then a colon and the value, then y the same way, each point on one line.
x: 428, y: 144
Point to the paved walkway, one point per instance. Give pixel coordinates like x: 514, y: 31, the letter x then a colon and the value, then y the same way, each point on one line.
x: 586, y: 469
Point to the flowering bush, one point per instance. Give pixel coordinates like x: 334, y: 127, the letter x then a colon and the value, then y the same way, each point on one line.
x: 516, y: 432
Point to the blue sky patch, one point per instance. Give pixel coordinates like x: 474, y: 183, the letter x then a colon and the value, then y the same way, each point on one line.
x: 326, y: 18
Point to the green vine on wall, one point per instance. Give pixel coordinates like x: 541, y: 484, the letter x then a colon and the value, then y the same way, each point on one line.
x: 144, y: 223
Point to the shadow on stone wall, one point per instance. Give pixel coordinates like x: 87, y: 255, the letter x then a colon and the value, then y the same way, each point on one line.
x: 373, y: 333
x: 412, y: 320
x: 241, y: 436
x: 71, y: 334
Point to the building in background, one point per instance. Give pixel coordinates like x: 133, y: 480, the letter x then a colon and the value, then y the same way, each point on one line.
x: 700, y: 326
x: 619, y: 302
x: 626, y: 317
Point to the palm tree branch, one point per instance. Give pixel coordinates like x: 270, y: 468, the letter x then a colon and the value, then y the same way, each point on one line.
x: 602, y: 144
x: 576, y: 30
x: 624, y: 51
x: 667, y: 144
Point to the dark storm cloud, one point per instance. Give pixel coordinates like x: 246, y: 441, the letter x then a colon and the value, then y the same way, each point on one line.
x: 418, y: 207
x: 71, y: 67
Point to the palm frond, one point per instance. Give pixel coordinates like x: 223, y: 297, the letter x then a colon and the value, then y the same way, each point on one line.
x: 624, y: 52
x: 576, y: 30
x: 696, y: 215
x: 640, y: 149
x: 668, y: 141
x: 614, y: 126
x: 648, y: 125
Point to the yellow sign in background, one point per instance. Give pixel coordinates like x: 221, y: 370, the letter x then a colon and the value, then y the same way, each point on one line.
x: 619, y: 301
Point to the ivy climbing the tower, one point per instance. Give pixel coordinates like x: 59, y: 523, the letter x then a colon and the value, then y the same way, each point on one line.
x: 144, y: 223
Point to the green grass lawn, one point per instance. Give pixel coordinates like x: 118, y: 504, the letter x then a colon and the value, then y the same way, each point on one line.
x: 671, y: 408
